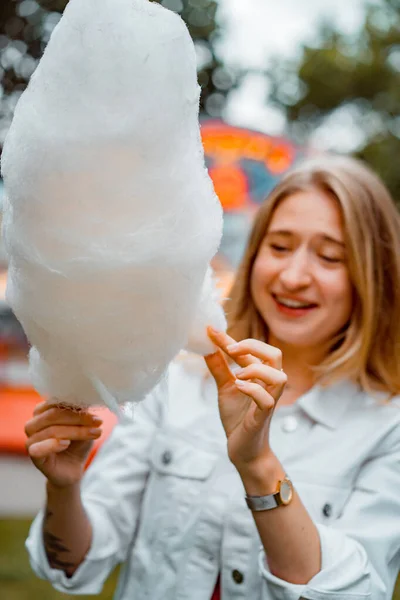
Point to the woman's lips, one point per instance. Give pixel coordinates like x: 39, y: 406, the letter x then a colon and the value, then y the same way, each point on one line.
x: 292, y: 311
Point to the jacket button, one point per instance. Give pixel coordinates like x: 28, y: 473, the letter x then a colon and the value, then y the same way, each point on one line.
x: 237, y: 576
x: 327, y: 510
x: 290, y: 424
x: 166, y: 457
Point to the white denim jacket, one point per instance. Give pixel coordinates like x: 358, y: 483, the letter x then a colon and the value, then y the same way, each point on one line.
x: 164, y: 499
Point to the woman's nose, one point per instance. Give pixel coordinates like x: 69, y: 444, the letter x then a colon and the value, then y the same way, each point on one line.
x: 296, y: 272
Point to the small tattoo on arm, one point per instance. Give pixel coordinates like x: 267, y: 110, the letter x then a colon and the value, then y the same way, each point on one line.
x: 54, y: 547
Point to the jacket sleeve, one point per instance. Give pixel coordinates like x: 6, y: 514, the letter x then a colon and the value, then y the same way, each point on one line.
x: 361, y: 549
x: 112, y: 491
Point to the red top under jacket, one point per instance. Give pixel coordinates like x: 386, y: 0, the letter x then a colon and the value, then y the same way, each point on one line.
x: 217, y: 592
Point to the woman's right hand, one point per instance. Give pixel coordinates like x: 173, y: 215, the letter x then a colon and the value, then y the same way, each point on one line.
x: 59, y: 441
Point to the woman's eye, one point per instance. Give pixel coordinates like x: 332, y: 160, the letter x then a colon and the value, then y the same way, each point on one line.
x: 331, y: 259
x: 278, y: 248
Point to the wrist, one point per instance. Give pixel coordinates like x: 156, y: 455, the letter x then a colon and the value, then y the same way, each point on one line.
x: 261, y: 477
x: 68, y: 489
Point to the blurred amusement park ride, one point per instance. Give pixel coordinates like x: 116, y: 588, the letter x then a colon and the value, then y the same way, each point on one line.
x: 244, y: 166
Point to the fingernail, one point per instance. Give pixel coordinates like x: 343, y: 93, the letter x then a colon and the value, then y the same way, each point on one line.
x: 97, y: 421
x: 232, y: 347
x: 240, y: 383
x: 212, y: 330
x: 95, y: 431
x: 64, y: 443
x: 239, y: 372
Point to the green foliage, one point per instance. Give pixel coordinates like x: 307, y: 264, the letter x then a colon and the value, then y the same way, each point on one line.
x: 358, y: 72
x: 215, y: 80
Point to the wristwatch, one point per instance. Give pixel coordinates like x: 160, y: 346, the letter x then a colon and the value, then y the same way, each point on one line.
x: 282, y: 497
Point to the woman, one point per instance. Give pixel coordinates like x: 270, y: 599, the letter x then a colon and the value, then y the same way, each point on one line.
x: 320, y: 286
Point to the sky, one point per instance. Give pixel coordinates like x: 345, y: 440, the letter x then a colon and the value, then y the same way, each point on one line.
x: 257, y: 30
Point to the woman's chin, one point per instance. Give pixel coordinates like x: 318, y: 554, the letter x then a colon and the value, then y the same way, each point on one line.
x: 296, y: 337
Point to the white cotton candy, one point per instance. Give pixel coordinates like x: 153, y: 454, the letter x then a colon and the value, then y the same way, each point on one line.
x: 111, y: 218
x: 206, y: 315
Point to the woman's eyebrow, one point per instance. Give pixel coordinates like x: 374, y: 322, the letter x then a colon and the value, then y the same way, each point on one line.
x: 280, y: 232
x: 324, y: 236
x: 332, y: 240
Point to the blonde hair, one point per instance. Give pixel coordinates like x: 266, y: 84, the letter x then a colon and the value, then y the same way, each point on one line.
x: 368, y: 349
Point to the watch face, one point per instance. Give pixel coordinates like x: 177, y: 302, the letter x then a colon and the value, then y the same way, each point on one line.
x: 286, y: 492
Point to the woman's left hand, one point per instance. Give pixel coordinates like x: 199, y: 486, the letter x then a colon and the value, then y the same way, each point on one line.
x: 247, y: 399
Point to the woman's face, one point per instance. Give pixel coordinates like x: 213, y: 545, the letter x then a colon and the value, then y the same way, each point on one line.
x: 300, y: 281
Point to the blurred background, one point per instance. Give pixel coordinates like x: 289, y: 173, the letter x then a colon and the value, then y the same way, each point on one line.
x: 280, y: 81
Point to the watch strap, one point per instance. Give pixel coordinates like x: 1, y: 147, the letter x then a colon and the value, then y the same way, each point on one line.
x: 257, y: 503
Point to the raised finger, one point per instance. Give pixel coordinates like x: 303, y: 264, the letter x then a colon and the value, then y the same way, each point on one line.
x: 223, y: 341
x: 57, y: 416
x: 264, y: 352
x: 268, y: 375
x: 219, y: 369
x: 60, y: 432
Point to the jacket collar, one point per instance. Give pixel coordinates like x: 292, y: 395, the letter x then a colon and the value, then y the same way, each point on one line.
x: 327, y: 405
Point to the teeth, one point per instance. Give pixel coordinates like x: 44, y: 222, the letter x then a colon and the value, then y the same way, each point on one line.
x: 292, y: 303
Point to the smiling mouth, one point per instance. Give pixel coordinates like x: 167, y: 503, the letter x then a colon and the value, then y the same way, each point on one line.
x: 293, y: 304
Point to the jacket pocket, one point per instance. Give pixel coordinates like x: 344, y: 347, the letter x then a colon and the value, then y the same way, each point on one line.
x: 175, y: 456
x: 176, y: 492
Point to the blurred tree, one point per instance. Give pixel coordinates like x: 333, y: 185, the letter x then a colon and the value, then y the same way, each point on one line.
x: 26, y: 26
x: 216, y: 80
x: 355, y: 76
